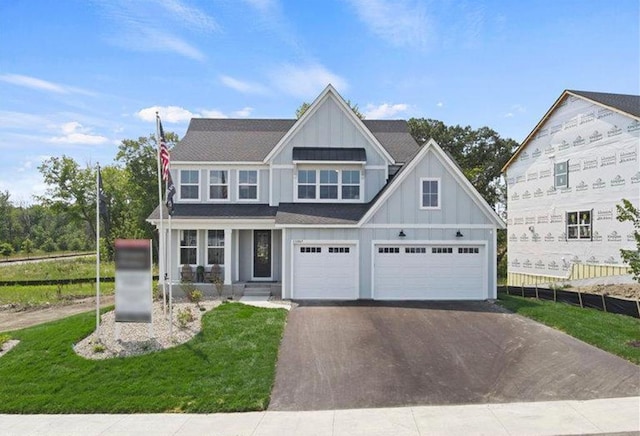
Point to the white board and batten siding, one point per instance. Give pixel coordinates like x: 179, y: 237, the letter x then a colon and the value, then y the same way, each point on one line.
x: 429, y: 270
x: 325, y: 270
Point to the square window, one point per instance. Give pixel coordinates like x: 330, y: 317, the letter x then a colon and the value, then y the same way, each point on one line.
x: 218, y: 185
x: 189, y: 184
x: 247, y: 185
x: 579, y: 225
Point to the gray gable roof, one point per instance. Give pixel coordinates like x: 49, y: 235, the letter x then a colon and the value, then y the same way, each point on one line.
x: 251, y: 140
x: 623, y: 102
x: 321, y: 213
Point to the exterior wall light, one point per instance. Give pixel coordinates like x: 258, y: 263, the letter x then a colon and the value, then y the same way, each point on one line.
x: 402, y: 234
x: 459, y: 234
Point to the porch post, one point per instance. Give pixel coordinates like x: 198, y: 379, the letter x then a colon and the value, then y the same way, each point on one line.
x: 227, y: 256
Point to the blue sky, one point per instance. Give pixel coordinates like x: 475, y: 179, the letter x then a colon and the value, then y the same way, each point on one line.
x: 78, y: 76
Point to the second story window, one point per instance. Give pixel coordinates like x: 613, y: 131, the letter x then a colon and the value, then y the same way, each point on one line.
x: 189, y: 185
x: 429, y: 193
x: 307, y: 184
x: 561, y: 172
x: 218, y: 185
x: 350, y: 185
x: 247, y: 185
x: 328, y: 184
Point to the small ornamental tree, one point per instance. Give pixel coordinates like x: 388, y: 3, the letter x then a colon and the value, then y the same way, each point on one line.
x: 628, y: 212
x: 27, y: 247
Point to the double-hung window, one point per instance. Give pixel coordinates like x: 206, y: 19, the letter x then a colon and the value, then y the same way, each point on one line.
x: 350, y: 184
x: 561, y: 174
x: 247, y: 184
x: 188, y: 247
x: 307, y: 184
x: 429, y: 193
x: 328, y: 184
x: 579, y: 225
x: 189, y: 184
x: 215, y: 247
x: 218, y: 185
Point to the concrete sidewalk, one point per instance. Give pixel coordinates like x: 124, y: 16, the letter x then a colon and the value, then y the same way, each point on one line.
x: 611, y: 415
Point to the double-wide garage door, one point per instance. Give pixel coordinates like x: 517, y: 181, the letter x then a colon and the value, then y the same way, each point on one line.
x: 325, y: 271
x: 429, y: 272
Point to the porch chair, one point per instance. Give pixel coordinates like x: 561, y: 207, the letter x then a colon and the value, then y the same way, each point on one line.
x: 186, y: 273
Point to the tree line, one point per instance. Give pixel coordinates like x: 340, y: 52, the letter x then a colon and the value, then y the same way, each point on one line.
x: 64, y: 217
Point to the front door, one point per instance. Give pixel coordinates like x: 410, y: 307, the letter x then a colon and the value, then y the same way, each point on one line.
x: 262, y: 254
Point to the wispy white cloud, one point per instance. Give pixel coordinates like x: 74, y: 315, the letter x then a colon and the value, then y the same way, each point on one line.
x: 305, y: 81
x: 243, y: 86
x: 384, y: 110
x: 178, y: 115
x: 154, y: 25
x: 244, y: 112
x: 403, y: 23
x: 440, y: 104
x: 262, y: 5
x: 41, y: 84
x: 516, y: 109
x: 75, y: 133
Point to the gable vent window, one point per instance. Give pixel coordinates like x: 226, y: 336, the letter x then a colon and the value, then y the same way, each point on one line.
x: 389, y: 250
x: 429, y: 193
x: 579, y: 225
x: 189, y: 185
x: 561, y: 172
x: 442, y: 250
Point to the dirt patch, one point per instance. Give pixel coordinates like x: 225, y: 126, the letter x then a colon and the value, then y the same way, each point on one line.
x: 629, y: 291
x: 18, y: 317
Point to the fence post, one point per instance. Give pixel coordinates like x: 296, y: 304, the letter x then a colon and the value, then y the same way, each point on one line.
x: 555, y: 298
x: 522, y: 289
x: 537, y: 292
x: 604, y: 305
x: 580, y: 297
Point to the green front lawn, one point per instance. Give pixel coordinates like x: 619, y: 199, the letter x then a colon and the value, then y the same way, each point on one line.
x: 610, y: 332
x: 40, y: 295
x: 228, y: 367
x: 59, y: 269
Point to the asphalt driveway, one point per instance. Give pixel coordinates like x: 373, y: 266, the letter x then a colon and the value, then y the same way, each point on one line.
x: 370, y: 354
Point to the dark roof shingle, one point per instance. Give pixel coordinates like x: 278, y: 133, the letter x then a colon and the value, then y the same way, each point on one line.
x: 219, y: 211
x: 624, y: 102
x: 321, y: 213
x: 251, y: 140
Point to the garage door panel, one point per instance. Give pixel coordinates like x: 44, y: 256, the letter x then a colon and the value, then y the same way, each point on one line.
x: 325, y: 271
x: 428, y: 272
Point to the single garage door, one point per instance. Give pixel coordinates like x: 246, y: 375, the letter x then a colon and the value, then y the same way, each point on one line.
x: 429, y: 272
x: 325, y: 271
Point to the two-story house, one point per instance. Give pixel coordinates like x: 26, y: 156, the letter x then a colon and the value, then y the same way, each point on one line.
x: 564, y: 183
x: 329, y: 206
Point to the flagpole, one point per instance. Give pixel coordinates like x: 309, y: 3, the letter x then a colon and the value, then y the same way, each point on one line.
x: 161, y: 248
x: 170, y: 283
x: 98, y: 251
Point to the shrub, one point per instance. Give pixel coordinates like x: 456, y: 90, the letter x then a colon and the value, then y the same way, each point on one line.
x: 184, y: 317
x: 4, y: 338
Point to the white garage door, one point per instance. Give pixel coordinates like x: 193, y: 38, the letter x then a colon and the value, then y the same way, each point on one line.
x: 325, y: 271
x: 426, y: 272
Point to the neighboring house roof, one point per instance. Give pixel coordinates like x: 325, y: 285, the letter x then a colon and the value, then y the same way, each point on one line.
x: 320, y: 213
x: 623, y: 103
x: 329, y: 154
x: 219, y: 211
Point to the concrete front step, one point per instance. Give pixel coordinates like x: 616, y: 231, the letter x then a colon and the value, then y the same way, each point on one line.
x: 257, y: 292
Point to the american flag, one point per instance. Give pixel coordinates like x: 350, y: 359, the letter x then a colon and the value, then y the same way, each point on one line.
x: 164, y: 153
x: 171, y: 190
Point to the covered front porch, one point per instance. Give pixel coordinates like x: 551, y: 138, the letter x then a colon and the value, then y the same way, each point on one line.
x: 238, y: 258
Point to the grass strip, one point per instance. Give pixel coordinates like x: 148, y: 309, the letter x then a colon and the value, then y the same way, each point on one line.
x: 228, y: 367
x: 39, y: 295
x: 617, y: 334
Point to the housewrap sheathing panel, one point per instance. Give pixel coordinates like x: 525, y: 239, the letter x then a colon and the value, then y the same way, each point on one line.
x: 602, y: 148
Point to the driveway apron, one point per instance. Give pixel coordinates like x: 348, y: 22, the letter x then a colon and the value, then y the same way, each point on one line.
x: 371, y: 354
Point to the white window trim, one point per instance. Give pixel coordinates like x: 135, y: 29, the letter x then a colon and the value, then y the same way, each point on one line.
x: 218, y: 200
x: 317, y: 199
x: 242, y: 200
x: 180, y: 246
x: 430, y: 179
x: 215, y: 246
x: 180, y: 183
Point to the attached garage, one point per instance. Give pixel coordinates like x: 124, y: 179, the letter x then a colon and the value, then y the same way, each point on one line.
x: 429, y: 272
x: 325, y: 271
